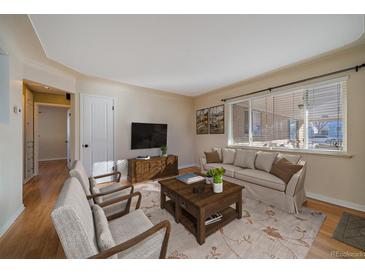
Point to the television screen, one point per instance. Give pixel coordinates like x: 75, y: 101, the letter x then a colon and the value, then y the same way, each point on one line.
x: 145, y: 135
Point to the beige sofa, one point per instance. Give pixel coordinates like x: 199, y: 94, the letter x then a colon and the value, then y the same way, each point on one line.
x: 262, y: 185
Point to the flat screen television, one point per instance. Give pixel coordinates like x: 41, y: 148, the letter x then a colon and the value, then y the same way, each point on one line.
x: 146, y: 135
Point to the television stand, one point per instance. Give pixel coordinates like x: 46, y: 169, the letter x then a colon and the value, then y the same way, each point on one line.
x: 156, y: 167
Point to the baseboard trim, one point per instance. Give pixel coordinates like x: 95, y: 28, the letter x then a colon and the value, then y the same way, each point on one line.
x: 188, y: 165
x: 11, y: 220
x: 334, y: 201
x: 52, y: 159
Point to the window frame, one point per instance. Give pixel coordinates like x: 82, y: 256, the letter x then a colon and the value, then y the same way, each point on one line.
x: 306, y: 149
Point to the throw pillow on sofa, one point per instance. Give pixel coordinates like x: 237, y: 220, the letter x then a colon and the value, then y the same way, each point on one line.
x: 284, y: 169
x: 293, y: 158
x: 219, y: 150
x: 212, y: 157
x: 265, y: 160
x: 245, y: 158
x: 228, y: 155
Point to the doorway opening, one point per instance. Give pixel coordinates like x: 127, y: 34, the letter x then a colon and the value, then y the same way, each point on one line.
x: 47, y: 126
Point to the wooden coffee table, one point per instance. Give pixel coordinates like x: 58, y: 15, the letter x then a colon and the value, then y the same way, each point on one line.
x: 192, y: 209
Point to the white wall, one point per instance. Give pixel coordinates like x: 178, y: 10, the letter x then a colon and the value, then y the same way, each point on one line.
x: 52, y: 130
x: 136, y: 104
x: 13, y: 29
x: 4, y: 87
x: 11, y: 150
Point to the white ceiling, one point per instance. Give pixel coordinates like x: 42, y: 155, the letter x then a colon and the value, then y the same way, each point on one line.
x: 189, y: 54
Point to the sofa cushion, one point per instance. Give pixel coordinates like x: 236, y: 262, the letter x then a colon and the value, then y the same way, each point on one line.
x: 264, y: 160
x: 104, y: 237
x: 293, y: 158
x: 245, y: 158
x: 212, y: 157
x: 219, y: 150
x: 284, y: 169
x: 228, y: 155
x: 131, y: 225
x: 261, y: 178
x: 230, y: 169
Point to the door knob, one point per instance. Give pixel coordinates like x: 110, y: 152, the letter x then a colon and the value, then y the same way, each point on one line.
x: 86, y: 145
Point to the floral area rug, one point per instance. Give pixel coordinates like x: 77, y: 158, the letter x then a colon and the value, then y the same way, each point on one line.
x: 263, y: 231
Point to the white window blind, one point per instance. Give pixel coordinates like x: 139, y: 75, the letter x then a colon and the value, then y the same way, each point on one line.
x: 304, y: 118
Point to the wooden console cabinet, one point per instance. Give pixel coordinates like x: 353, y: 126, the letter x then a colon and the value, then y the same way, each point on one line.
x: 140, y: 170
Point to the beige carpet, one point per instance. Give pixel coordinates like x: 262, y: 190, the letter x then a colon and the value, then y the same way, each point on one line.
x: 263, y: 232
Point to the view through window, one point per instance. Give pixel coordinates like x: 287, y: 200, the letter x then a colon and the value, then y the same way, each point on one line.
x: 305, y: 118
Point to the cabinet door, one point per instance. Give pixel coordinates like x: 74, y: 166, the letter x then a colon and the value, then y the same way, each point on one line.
x: 142, y: 170
x: 155, y: 168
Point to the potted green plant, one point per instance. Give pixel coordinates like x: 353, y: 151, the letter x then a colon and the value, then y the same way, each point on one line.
x: 163, y: 150
x: 217, y: 174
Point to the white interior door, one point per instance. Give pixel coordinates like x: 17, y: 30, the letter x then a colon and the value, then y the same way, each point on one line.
x: 97, y: 134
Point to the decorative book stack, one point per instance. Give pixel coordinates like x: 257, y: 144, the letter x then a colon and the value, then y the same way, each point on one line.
x: 190, y: 178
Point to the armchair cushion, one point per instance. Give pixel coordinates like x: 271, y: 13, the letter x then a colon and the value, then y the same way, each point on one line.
x: 92, y: 182
x: 104, y: 237
x: 78, y: 171
x: 113, y: 208
x: 73, y: 221
x: 100, y: 199
x: 131, y: 225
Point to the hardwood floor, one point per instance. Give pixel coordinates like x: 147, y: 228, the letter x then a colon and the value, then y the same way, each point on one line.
x: 33, y: 235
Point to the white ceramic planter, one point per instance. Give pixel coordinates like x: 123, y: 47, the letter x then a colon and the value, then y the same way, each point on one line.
x: 217, y: 188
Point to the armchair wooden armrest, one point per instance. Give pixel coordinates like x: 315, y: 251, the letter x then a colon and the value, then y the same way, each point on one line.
x: 109, y: 174
x: 128, y: 206
x: 139, y: 238
x: 123, y: 198
x: 110, y: 191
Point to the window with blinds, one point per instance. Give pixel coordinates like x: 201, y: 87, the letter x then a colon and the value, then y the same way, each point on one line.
x: 309, y: 117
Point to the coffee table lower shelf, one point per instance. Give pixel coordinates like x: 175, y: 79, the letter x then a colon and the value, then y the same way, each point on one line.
x: 190, y: 222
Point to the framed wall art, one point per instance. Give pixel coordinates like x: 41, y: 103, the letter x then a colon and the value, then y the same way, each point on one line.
x: 216, y: 120
x: 202, y: 121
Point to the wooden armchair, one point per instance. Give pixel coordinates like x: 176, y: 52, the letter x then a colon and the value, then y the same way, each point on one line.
x: 126, y: 236
x: 101, y: 195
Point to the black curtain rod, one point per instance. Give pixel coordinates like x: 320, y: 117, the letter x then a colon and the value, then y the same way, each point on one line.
x: 356, y: 68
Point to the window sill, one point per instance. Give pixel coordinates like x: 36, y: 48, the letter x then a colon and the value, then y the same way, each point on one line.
x: 344, y: 154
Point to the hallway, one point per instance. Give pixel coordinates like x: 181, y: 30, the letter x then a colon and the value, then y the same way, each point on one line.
x: 33, y: 235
